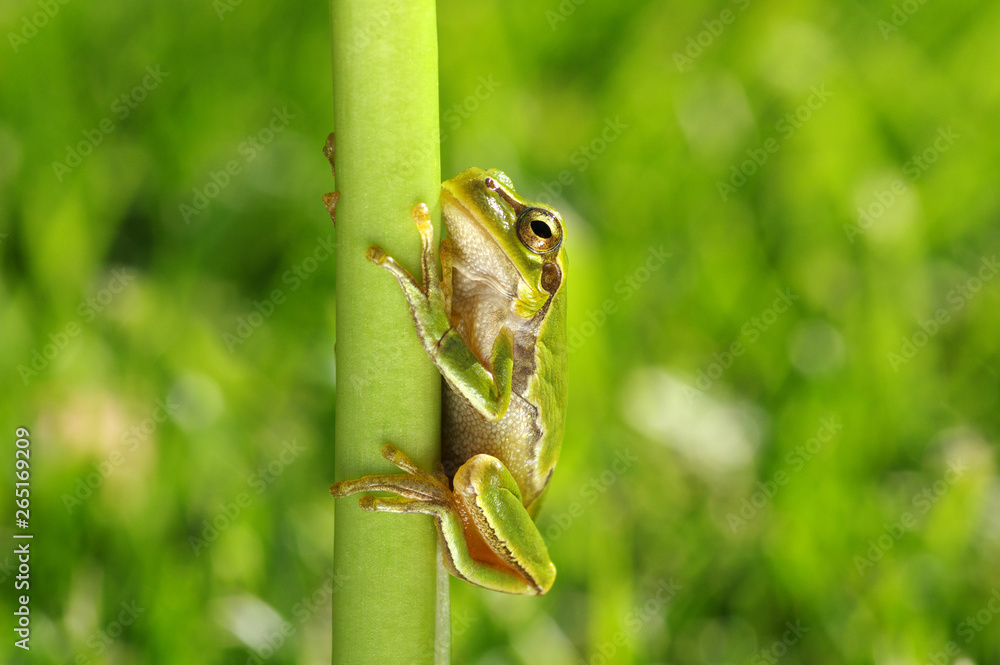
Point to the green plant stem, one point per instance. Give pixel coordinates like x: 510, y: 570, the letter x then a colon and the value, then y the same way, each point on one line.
x: 387, y: 160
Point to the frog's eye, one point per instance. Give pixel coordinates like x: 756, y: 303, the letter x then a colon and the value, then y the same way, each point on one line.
x: 539, y: 230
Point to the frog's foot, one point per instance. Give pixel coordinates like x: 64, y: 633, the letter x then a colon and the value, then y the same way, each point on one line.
x: 417, y: 484
x: 487, y: 536
x: 426, y: 299
x: 428, y: 259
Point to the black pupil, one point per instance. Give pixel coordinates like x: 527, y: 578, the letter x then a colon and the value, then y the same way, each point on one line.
x: 541, y: 229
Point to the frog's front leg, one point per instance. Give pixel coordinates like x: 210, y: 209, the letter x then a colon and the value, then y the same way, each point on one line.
x: 487, y: 389
x: 487, y: 536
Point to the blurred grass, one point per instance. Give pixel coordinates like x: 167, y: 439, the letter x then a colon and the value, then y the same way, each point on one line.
x: 616, y: 536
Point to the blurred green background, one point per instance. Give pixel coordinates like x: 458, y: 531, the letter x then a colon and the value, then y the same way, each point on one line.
x: 783, y: 421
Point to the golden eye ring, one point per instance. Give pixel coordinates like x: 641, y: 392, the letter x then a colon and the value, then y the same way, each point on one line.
x: 539, y: 230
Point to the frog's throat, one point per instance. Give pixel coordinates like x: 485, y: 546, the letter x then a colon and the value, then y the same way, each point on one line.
x: 525, y: 299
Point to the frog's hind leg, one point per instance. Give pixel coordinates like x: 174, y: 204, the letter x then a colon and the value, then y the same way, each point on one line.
x: 400, y: 459
x: 415, y: 484
x: 403, y: 485
x: 456, y: 554
x: 475, y: 548
x: 490, y: 501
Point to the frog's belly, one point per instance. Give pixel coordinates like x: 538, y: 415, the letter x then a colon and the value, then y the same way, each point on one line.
x: 514, y: 439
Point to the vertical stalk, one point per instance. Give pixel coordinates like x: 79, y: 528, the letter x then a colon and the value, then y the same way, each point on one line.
x: 387, y: 160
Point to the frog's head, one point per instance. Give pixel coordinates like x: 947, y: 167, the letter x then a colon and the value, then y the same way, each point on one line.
x: 499, y: 238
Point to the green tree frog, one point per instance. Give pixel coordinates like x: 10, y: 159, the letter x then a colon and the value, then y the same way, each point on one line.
x: 495, y: 326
